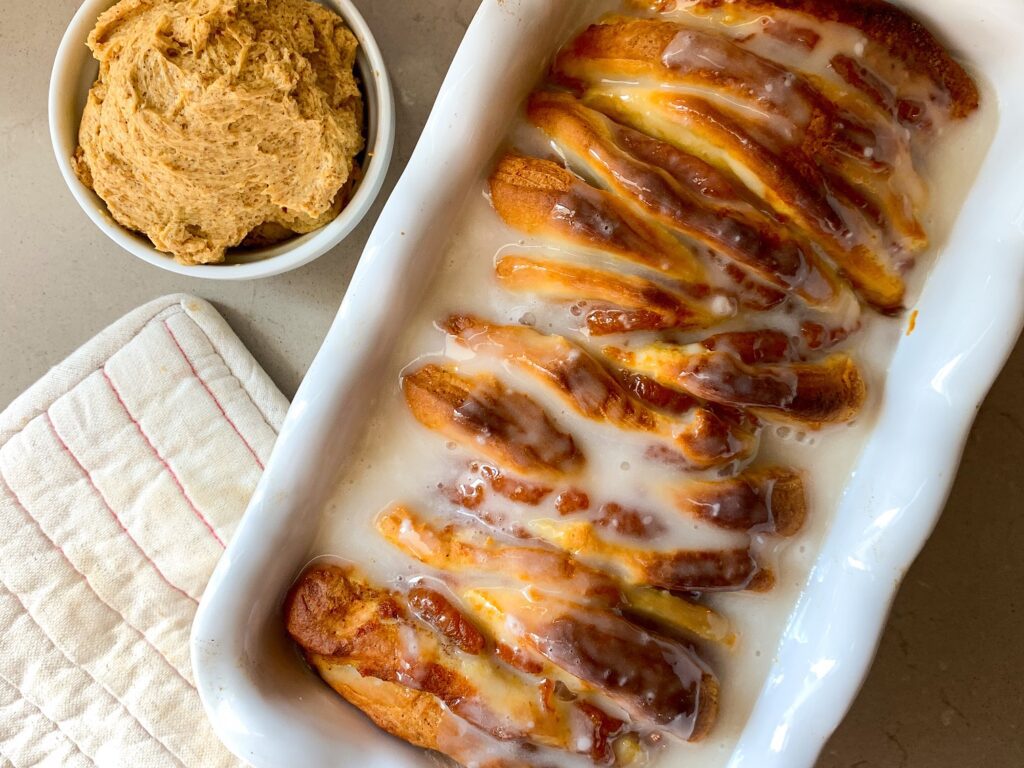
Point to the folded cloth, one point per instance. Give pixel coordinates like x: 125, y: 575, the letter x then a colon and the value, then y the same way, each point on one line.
x: 123, y: 472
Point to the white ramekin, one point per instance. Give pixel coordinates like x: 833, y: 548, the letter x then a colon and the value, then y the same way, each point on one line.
x: 74, y: 71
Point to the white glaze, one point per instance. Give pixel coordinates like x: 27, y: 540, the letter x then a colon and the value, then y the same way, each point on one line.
x: 267, y: 711
x: 399, y: 461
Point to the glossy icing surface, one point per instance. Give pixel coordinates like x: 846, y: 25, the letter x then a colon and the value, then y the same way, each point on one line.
x: 582, y: 433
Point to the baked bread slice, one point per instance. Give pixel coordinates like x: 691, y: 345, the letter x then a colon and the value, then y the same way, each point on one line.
x: 828, y: 391
x: 901, y: 64
x: 586, y: 386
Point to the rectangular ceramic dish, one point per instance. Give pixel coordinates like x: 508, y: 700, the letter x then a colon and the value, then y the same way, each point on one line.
x: 271, y: 711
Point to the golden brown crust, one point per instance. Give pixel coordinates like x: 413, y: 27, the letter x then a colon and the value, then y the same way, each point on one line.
x: 433, y: 608
x: 412, y: 715
x: 625, y: 303
x: 894, y: 31
x: 830, y: 392
x: 544, y: 569
x: 655, y: 679
x: 580, y: 379
x: 628, y: 522
x: 628, y: 40
x: 417, y: 717
x: 325, y: 607
x: 446, y: 550
x: 591, y: 390
x: 702, y: 570
x: 790, y: 184
x: 528, y: 173
x: 334, y: 615
x: 536, y: 196
x: 371, y: 631
x: 488, y: 418
x: 723, y: 221
x: 657, y: 395
x: 470, y: 491
x: 824, y: 392
x: 707, y: 708
x: 789, y: 107
x: 836, y: 165
x: 682, y: 570
x: 770, y: 500
x: 762, y: 346
x: 542, y: 610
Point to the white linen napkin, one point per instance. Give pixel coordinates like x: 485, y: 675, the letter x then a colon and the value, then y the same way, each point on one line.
x: 123, y: 473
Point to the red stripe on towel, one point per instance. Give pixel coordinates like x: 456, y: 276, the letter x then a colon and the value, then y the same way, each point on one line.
x: 209, y: 391
x: 167, y: 466
x: 110, y: 509
x: 85, y: 579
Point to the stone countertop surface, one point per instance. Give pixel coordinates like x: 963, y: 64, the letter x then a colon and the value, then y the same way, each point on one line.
x: 947, y: 688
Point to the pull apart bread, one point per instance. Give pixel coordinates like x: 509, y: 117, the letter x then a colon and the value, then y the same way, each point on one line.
x: 737, y: 183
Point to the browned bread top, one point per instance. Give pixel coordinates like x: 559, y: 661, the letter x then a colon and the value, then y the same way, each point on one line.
x: 891, y: 28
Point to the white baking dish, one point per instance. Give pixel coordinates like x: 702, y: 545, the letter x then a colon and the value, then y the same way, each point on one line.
x: 271, y: 711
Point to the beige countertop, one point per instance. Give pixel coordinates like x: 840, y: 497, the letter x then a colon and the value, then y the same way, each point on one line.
x: 947, y: 689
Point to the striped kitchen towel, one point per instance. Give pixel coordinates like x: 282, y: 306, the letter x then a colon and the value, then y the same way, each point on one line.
x: 123, y: 473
